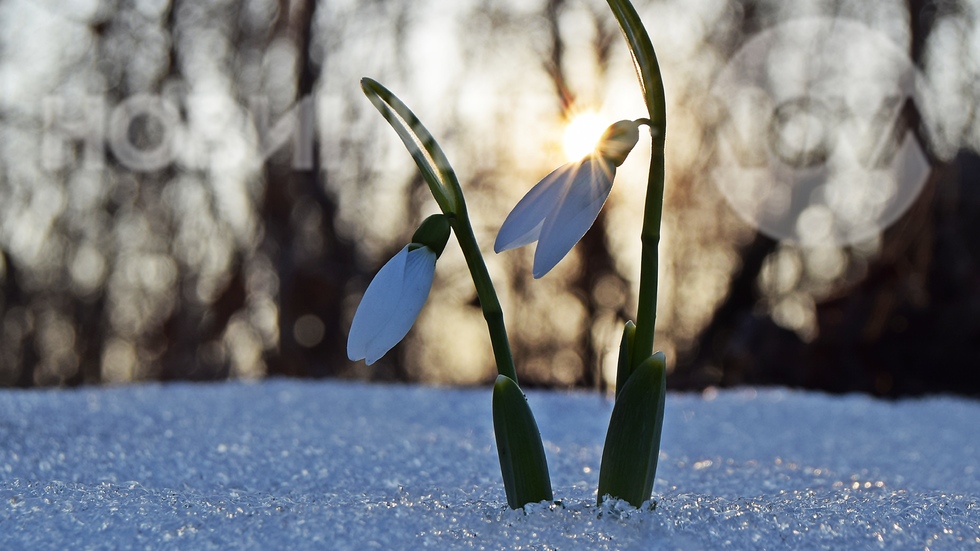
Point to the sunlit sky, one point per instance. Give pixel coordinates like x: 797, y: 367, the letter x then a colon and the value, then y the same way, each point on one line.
x: 582, y: 132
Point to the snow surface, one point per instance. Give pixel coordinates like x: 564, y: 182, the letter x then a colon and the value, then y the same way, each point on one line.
x: 331, y: 465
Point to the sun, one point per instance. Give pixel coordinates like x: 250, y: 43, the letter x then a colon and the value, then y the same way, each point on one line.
x: 582, y: 133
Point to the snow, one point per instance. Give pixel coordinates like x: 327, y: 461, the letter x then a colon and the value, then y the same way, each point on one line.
x: 333, y: 465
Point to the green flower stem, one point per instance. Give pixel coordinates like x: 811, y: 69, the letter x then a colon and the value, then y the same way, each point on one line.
x: 441, y: 179
x: 484, y: 290
x: 646, y: 312
x: 652, y: 86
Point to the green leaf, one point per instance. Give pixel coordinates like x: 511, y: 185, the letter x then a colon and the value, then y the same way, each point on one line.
x: 522, y: 460
x: 632, y: 448
x: 432, y: 162
x: 645, y: 61
x: 623, y: 370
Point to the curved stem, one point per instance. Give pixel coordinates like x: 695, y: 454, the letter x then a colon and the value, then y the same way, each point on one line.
x: 492, y: 312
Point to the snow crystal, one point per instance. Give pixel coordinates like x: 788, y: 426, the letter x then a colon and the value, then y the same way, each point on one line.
x: 304, y: 465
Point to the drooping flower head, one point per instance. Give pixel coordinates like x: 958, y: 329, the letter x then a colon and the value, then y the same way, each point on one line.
x: 397, y: 293
x: 564, y: 204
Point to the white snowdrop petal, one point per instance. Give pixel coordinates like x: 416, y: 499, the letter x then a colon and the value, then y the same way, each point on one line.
x: 372, y: 312
x: 575, y: 214
x: 413, y: 290
x: 523, y: 224
x: 391, y: 303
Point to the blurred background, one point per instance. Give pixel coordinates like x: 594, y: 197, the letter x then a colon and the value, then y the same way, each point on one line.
x: 198, y: 190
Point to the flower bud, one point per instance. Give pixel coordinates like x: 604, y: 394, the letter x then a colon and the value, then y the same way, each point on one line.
x: 617, y: 141
x: 433, y: 233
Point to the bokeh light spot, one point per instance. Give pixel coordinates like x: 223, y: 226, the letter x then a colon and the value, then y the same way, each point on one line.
x: 308, y: 330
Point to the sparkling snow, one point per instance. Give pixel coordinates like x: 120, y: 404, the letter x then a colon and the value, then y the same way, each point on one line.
x: 331, y: 465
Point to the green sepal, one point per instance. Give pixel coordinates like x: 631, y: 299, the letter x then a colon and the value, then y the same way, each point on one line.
x: 522, y: 461
x: 426, y: 153
x: 624, y: 368
x: 632, y: 447
x: 434, y: 233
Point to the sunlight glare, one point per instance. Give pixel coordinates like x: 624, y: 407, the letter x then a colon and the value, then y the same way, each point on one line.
x: 582, y: 133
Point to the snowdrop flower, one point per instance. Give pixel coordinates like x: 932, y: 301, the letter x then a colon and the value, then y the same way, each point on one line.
x: 395, y: 296
x: 563, y: 206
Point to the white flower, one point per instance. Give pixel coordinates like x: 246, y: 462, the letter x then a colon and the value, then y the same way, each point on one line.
x: 558, y: 211
x: 563, y: 206
x: 391, y: 303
